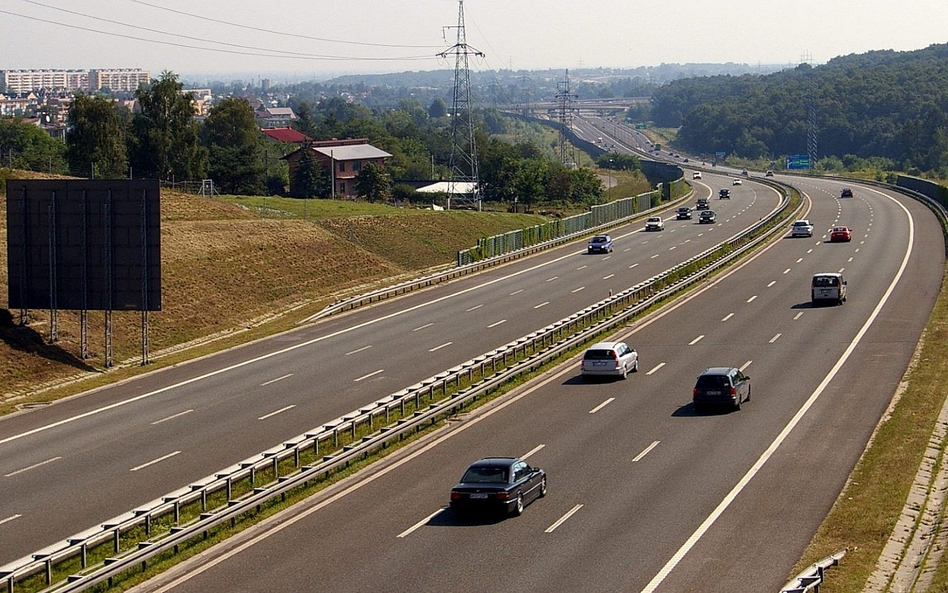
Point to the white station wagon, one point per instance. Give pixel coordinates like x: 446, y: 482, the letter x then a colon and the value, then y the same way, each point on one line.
x: 609, y: 359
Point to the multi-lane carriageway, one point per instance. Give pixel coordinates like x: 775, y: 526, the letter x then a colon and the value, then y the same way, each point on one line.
x: 643, y: 494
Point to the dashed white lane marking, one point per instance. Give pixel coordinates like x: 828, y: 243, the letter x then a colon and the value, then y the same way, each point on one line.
x: 645, y: 451
x: 798, y: 315
x: 744, y: 366
x: 154, y: 461
x: 700, y: 234
x: 654, y: 256
x: 532, y: 451
x: 752, y: 299
x: 607, y: 277
x: 607, y: 257
x: 445, y: 345
x: 34, y: 466
x: 728, y: 316
x: 627, y: 249
x: 372, y: 374
x: 496, y: 323
x: 849, y: 260
x: 419, y: 524
x: 602, y: 405
x: 800, y: 260
x: 787, y: 271
x: 862, y: 242
x: 655, y: 369
x: 673, y: 247
x: 696, y: 340
x: 563, y: 519
x: 633, y: 265
x: 280, y: 411
x: 474, y: 308
x: 173, y: 416
x: 857, y: 250
x: 772, y: 282
x: 422, y: 327
x: 775, y: 338
x: 810, y: 250
x: 581, y: 268
x: 578, y: 289
x: 841, y: 270
x: 516, y: 292
x: 11, y: 518
x: 543, y: 304
x: 347, y: 354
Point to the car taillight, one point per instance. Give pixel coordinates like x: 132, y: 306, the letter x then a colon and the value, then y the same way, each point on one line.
x: 455, y: 495
x: 502, y: 495
x: 733, y: 391
x: 694, y: 392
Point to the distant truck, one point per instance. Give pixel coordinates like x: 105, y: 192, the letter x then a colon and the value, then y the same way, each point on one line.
x: 657, y: 147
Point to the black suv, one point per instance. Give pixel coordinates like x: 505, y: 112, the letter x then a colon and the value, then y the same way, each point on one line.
x: 702, y: 204
x: 683, y: 213
x: 846, y: 193
x: 724, y: 194
x: 721, y: 386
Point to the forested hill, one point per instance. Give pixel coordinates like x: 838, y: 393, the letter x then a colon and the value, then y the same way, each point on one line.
x: 878, y: 104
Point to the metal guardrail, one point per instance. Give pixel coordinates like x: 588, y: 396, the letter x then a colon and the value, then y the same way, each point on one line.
x: 382, y: 294
x: 514, y: 359
x: 811, y: 578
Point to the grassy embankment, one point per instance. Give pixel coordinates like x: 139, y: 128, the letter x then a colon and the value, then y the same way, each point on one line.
x: 235, y: 272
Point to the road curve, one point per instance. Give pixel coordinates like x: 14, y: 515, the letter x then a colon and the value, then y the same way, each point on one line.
x: 644, y: 494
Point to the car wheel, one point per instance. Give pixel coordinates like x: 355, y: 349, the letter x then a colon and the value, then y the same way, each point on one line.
x: 635, y: 367
x: 625, y: 372
x: 518, y: 506
x: 748, y: 398
x: 737, y: 405
x: 542, y: 487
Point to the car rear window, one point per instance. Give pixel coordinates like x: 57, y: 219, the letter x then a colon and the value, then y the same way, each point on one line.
x: 713, y: 382
x: 825, y: 281
x: 485, y: 475
x: 599, y: 354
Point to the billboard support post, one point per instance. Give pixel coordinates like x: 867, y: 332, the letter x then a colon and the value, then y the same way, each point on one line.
x: 53, y: 272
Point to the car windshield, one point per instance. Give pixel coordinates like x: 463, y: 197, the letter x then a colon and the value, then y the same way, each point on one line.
x: 485, y: 474
x: 713, y: 382
x: 599, y: 239
x: 800, y: 223
x: 825, y: 281
x: 599, y: 355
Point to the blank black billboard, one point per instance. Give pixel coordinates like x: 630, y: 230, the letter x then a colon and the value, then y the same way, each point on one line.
x: 84, y: 244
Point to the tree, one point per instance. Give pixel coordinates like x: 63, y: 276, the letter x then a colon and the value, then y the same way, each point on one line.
x: 373, y: 183
x: 25, y: 146
x: 305, y: 121
x: 437, y: 108
x: 310, y: 180
x: 164, y: 140
x: 95, y: 137
x: 234, y: 141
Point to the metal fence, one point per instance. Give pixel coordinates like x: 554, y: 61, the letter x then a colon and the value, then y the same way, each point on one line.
x: 812, y: 577
x: 154, y: 528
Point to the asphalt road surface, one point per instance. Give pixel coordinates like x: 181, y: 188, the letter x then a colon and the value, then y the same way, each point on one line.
x: 644, y: 495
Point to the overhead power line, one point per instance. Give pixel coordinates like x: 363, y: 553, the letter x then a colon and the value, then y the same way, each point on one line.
x: 181, y: 36
x: 284, y: 33
x: 219, y: 50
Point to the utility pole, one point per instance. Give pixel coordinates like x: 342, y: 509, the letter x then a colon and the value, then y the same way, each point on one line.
x: 564, y: 100
x: 463, y: 163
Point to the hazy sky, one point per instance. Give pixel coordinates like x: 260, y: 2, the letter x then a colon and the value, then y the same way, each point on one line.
x: 522, y: 34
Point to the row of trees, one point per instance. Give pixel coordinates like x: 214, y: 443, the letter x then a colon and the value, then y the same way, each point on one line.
x: 892, y: 105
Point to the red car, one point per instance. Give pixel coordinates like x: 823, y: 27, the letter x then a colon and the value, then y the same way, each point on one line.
x: 841, y: 233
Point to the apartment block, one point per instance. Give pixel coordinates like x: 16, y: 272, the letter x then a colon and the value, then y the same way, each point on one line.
x: 25, y: 81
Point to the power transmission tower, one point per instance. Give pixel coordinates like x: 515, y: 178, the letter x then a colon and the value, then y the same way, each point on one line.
x: 564, y: 99
x: 463, y: 163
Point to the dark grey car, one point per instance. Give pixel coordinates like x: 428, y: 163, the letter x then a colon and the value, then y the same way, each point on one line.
x: 721, y: 386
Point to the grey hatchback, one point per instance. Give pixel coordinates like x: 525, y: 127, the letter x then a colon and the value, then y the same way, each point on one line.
x: 721, y: 386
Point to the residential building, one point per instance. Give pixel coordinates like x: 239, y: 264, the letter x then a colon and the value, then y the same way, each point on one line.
x: 344, y: 158
x: 24, y: 81
x: 275, y: 117
x: 124, y: 79
x: 287, y: 135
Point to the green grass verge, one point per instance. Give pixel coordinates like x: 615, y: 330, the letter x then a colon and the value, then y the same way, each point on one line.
x: 869, y: 506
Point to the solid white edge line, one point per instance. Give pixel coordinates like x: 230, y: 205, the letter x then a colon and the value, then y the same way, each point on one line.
x: 34, y: 466
x: 172, y: 417
x: 645, y: 451
x: 280, y: 411
x: 372, y: 374
x: 658, y: 366
x: 563, y: 519
x: 602, y: 405
x: 10, y: 518
x: 768, y: 453
x: 532, y: 451
x: 154, y: 461
x: 287, y: 376
x: 420, y: 523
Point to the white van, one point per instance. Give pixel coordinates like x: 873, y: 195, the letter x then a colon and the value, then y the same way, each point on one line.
x: 828, y: 286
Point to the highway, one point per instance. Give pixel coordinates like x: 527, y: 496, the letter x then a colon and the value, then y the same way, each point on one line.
x: 82, y: 461
x: 644, y: 494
